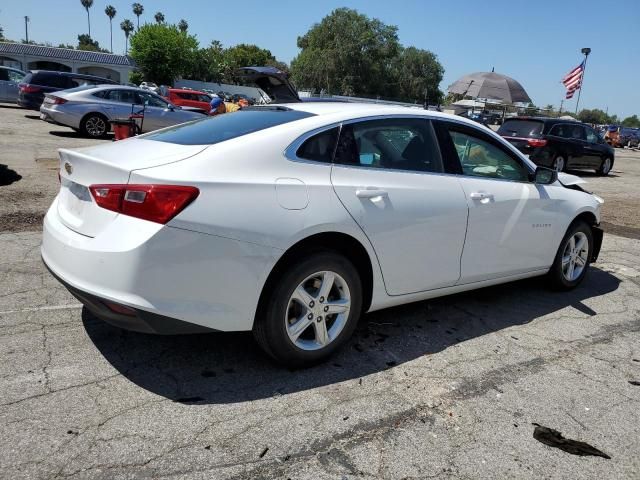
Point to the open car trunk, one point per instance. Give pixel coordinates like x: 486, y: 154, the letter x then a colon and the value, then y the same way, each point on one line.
x: 272, y: 81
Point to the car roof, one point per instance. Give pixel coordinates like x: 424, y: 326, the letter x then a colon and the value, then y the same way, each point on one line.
x: 186, y: 90
x: 343, y: 111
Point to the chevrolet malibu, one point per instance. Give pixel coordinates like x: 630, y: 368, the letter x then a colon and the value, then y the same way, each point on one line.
x: 293, y: 220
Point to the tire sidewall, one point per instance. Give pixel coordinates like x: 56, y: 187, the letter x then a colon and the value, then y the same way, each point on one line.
x: 564, y: 163
x: 601, y: 170
x: 555, y: 272
x: 280, y: 345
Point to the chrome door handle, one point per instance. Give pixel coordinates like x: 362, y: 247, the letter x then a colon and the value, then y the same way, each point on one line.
x: 370, y: 192
x: 481, y: 196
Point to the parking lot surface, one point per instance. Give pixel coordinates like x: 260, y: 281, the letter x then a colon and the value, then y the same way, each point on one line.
x: 449, y: 388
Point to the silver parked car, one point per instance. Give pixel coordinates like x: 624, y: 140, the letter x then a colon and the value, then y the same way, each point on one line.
x: 9, y: 80
x: 90, y: 109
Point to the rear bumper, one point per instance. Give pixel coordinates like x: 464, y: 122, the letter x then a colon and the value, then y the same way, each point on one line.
x: 165, y: 274
x: 58, y: 118
x: 30, y: 101
x: 139, y: 321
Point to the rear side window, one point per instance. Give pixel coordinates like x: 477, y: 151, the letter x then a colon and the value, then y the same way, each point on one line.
x: 320, y: 147
x: 394, y: 144
x: 227, y: 126
x: 520, y: 128
x: 51, y: 80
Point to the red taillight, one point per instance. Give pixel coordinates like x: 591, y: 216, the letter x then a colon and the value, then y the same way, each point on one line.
x: 536, y: 142
x: 58, y: 100
x: 26, y: 88
x: 156, y: 203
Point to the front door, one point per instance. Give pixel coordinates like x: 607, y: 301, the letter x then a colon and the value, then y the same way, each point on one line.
x: 511, y: 219
x: 389, y: 176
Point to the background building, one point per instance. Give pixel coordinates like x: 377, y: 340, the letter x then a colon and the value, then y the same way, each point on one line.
x: 35, y: 57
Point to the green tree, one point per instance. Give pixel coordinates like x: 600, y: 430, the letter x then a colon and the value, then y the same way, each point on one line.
x: 209, y: 64
x: 85, y: 42
x: 127, y: 27
x: 110, y: 11
x: 138, y: 9
x: 596, y: 116
x: 136, y: 77
x: 159, y: 16
x: 633, y: 121
x: 417, y: 74
x: 87, y: 4
x: 347, y: 52
x: 183, y: 25
x: 163, y: 52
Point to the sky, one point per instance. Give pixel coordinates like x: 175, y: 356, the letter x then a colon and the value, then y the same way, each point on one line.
x: 534, y: 42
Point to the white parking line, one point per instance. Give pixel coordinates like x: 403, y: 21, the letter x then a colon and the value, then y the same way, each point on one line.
x: 39, y: 309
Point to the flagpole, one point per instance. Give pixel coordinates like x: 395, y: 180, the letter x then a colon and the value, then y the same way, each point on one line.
x: 586, y: 52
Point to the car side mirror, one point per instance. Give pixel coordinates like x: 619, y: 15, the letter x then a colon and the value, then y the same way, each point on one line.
x: 545, y: 176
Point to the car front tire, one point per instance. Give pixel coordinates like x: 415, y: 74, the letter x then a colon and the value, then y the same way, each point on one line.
x: 605, y: 167
x: 573, y: 258
x: 310, y: 311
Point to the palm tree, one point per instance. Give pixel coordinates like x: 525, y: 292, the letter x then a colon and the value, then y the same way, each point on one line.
x: 127, y: 27
x: 137, y: 11
x: 183, y: 25
x: 159, y: 16
x: 110, y: 12
x: 87, y: 4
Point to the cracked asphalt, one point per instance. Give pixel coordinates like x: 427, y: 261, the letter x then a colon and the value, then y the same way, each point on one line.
x: 447, y: 388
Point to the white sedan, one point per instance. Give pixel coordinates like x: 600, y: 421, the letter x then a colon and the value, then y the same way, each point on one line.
x: 294, y: 220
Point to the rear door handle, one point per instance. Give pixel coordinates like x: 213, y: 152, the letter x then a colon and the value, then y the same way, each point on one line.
x: 370, y: 192
x: 481, y: 196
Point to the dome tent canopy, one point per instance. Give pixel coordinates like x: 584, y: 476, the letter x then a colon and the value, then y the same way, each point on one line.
x: 490, y: 85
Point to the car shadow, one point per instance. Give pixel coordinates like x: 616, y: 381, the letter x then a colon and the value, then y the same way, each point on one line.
x: 220, y: 368
x: 8, y: 105
x: 591, y: 173
x: 8, y: 176
x: 32, y: 117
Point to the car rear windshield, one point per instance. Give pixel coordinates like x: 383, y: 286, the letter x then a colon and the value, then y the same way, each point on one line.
x: 226, y: 126
x: 521, y: 128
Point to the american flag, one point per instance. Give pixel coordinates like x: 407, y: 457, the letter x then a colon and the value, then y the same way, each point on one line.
x: 573, y: 80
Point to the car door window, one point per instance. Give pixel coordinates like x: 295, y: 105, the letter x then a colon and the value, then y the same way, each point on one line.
x: 574, y: 132
x: 319, y: 147
x: 394, y: 143
x: 4, y: 74
x: 15, y: 76
x: 123, y: 96
x: 592, y: 137
x: 152, y: 100
x: 479, y: 158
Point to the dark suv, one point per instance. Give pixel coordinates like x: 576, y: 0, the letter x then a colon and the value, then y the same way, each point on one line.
x: 38, y: 82
x: 560, y: 144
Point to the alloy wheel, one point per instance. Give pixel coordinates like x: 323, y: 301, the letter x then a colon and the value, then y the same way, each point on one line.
x: 318, y: 310
x: 95, y: 126
x: 575, y: 256
x: 606, y: 165
x: 559, y: 164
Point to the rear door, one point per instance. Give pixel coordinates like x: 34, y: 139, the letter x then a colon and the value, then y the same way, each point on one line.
x: 511, y: 220
x: 4, y: 80
x: 593, y: 149
x: 389, y: 175
x: 574, y: 135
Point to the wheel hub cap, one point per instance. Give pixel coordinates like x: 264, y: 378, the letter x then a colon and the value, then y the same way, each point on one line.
x: 575, y: 256
x: 318, y: 310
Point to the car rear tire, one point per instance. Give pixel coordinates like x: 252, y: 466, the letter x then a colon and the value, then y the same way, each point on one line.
x: 94, y: 125
x: 310, y: 311
x: 560, y: 164
x: 573, y: 258
x: 605, y: 167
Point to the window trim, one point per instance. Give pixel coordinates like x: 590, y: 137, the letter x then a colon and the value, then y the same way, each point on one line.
x: 473, y: 131
x: 291, y: 151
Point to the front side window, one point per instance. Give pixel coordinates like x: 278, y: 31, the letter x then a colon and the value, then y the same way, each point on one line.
x: 394, y: 143
x: 319, y: 147
x: 151, y: 100
x: 480, y: 158
x: 592, y: 137
x: 123, y: 96
x: 573, y: 132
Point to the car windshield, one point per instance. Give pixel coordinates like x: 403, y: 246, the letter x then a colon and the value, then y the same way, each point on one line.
x: 211, y: 130
x: 520, y: 128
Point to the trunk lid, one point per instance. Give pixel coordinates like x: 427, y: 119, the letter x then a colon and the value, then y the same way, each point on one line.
x: 111, y: 163
x: 272, y: 81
